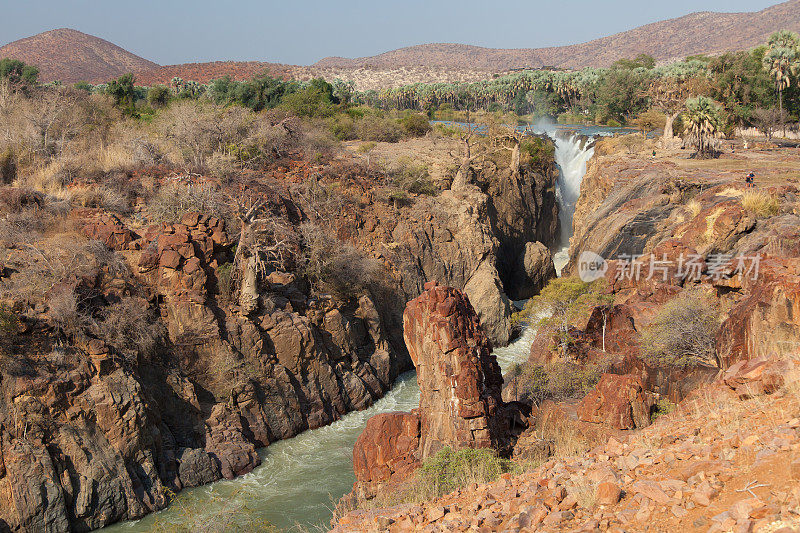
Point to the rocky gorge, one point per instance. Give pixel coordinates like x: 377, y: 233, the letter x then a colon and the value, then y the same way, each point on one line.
x: 131, y: 371
x: 612, y: 459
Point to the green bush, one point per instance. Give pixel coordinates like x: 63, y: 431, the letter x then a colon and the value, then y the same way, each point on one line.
x: 662, y: 407
x: 9, y: 323
x: 309, y: 102
x: 415, y: 125
x: 342, y: 126
x: 449, y: 470
x: 565, y: 301
x: 158, y: 95
x: 538, y: 152
x: 225, y: 280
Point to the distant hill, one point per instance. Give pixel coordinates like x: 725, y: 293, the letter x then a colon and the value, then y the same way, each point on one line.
x: 205, y: 72
x: 697, y: 33
x: 71, y: 56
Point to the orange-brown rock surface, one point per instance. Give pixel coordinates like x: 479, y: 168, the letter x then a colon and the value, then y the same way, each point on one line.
x: 459, y: 379
x: 619, y: 401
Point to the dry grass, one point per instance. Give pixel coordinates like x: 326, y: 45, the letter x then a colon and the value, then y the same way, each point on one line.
x: 693, y: 208
x: 760, y: 204
x: 586, y: 493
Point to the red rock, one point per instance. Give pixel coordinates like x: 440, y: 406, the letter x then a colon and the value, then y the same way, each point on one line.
x: 459, y: 379
x: 619, y: 401
x: 105, y: 227
x: 794, y: 468
x: 190, y: 219
x: 386, y: 447
x: 608, y: 494
x: 170, y: 259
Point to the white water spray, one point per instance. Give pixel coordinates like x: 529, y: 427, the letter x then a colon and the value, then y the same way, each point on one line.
x: 572, y: 154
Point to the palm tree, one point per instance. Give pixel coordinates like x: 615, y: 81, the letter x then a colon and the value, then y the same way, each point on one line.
x: 703, y: 118
x: 781, y: 61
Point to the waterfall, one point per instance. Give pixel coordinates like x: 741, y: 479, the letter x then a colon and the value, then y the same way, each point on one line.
x: 573, y: 151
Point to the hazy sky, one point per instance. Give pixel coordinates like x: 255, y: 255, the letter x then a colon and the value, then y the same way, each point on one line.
x: 179, y: 31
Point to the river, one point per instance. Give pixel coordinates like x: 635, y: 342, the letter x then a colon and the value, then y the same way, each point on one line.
x: 299, y: 479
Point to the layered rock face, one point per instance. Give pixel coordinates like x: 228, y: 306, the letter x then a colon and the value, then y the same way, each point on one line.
x: 94, y: 431
x: 489, y: 239
x: 460, y: 381
x: 652, y: 219
x: 460, y: 394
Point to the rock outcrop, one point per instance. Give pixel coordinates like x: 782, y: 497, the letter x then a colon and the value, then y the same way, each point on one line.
x: 618, y: 401
x: 689, y: 470
x: 99, y: 429
x: 460, y: 381
x: 481, y: 239
x: 460, y: 394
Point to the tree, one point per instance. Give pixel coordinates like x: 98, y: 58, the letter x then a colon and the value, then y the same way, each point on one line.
x: 781, y: 61
x: 312, y: 101
x: 17, y: 73
x: 703, y: 119
x: 671, y: 86
x: 641, y: 61
x: 766, y: 121
x: 651, y: 120
x: 123, y: 91
x: 739, y: 82
x: 158, y: 95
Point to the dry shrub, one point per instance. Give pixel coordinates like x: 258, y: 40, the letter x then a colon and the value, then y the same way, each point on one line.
x: 174, y: 200
x: 379, y: 129
x: 24, y: 226
x: 682, y: 332
x: 132, y: 328
x: 693, y: 207
x: 412, y: 176
x: 100, y: 197
x: 333, y: 266
x: 14, y: 199
x: 317, y: 144
x: 559, y: 380
x: 761, y: 204
x: 65, y: 316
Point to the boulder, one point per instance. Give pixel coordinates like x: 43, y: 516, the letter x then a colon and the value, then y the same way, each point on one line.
x: 763, y: 375
x: 534, y: 269
x: 618, y: 401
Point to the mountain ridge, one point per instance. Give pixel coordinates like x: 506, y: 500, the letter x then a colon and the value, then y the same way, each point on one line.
x: 70, y: 56
x: 664, y: 40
